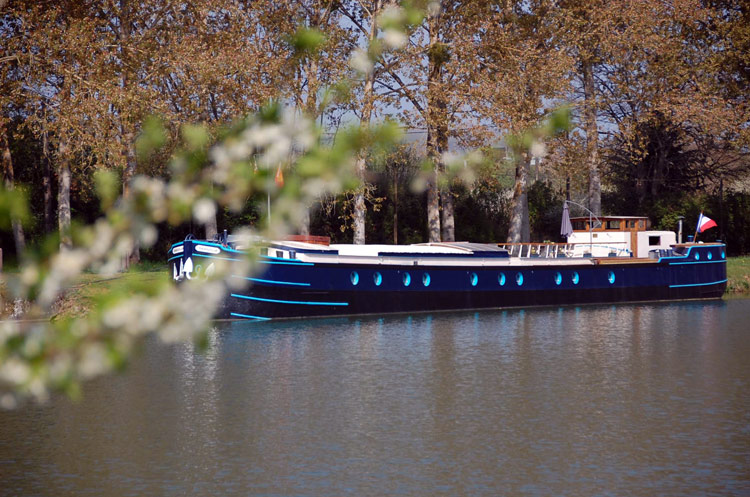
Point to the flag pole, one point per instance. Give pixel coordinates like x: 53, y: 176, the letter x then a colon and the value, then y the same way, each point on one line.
x: 695, y: 237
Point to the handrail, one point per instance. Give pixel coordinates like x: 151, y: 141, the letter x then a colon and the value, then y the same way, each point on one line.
x: 548, y: 250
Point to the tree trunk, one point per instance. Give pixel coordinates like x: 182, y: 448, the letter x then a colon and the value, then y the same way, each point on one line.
x: 127, y: 132
x: 433, y: 208
x: 368, y: 100
x: 520, y: 204
x: 448, y: 226
x: 304, y: 229
x: 448, y: 222
x: 127, y: 178
x: 395, y: 211
x: 359, y: 212
x: 48, y: 179
x: 435, y: 116
x: 211, y: 228
x: 63, y: 200
x: 592, y: 138
x: 9, y: 176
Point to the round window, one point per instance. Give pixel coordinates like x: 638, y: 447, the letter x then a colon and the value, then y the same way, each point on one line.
x: 426, y: 279
x: 473, y: 279
x: 575, y: 278
x: 501, y: 279
x: 406, y: 279
x: 377, y: 278
x: 558, y: 278
x: 519, y: 279
x: 354, y: 278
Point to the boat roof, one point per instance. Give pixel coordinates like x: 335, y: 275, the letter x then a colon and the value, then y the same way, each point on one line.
x: 460, y: 249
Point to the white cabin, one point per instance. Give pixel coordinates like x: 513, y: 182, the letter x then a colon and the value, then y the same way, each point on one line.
x: 617, y: 236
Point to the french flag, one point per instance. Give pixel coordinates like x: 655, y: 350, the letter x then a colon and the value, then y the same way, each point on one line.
x: 705, y: 223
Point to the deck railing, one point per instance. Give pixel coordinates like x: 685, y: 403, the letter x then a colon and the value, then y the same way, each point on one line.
x: 554, y: 250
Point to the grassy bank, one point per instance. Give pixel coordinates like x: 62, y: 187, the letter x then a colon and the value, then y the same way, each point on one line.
x: 738, y: 274
x: 80, y: 298
x: 93, y: 288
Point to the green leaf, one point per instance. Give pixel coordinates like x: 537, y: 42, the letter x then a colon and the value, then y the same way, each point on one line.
x: 307, y: 40
x: 153, y: 136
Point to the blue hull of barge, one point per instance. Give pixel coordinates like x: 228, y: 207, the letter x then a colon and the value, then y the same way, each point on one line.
x: 293, y: 288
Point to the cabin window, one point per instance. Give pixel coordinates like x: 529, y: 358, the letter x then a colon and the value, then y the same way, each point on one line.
x: 558, y: 278
x: 501, y: 279
x: 519, y: 279
x: 611, y: 277
x: 641, y: 225
x: 575, y: 278
x: 354, y: 278
x: 631, y: 223
x: 710, y: 256
x: 377, y: 278
x: 473, y: 279
x: 654, y: 240
x: 613, y: 225
x: 426, y: 279
x: 406, y: 278
x: 579, y: 225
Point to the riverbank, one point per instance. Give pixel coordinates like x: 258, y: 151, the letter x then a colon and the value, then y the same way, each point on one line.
x: 738, y: 275
x: 91, y: 287
x: 82, y: 296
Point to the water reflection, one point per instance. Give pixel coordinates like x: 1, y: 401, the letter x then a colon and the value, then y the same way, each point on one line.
x: 603, y: 400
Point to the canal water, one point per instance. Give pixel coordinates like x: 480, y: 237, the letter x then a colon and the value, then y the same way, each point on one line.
x: 605, y: 400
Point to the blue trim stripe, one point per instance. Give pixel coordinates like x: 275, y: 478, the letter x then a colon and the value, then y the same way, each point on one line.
x: 247, y: 316
x: 294, y: 302
x: 697, y: 262
x: 280, y: 258
x: 699, y: 284
x: 271, y: 282
x: 214, y: 257
x: 175, y: 257
x: 288, y: 262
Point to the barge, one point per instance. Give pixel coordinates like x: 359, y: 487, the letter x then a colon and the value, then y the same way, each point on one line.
x: 616, y: 260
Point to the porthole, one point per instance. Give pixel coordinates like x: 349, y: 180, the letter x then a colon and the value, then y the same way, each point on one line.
x: 377, y: 278
x: 473, y: 279
x: 723, y: 255
x: 426, y: 279
x: 710, y: 256
x: 354, y: 278
x: 501, y: 279
x: 406, y: 279
x: 558, y: 278
x: 575, y: 278
x: 697, y: 256
x: 519, y: 279
x: 611, y: 277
